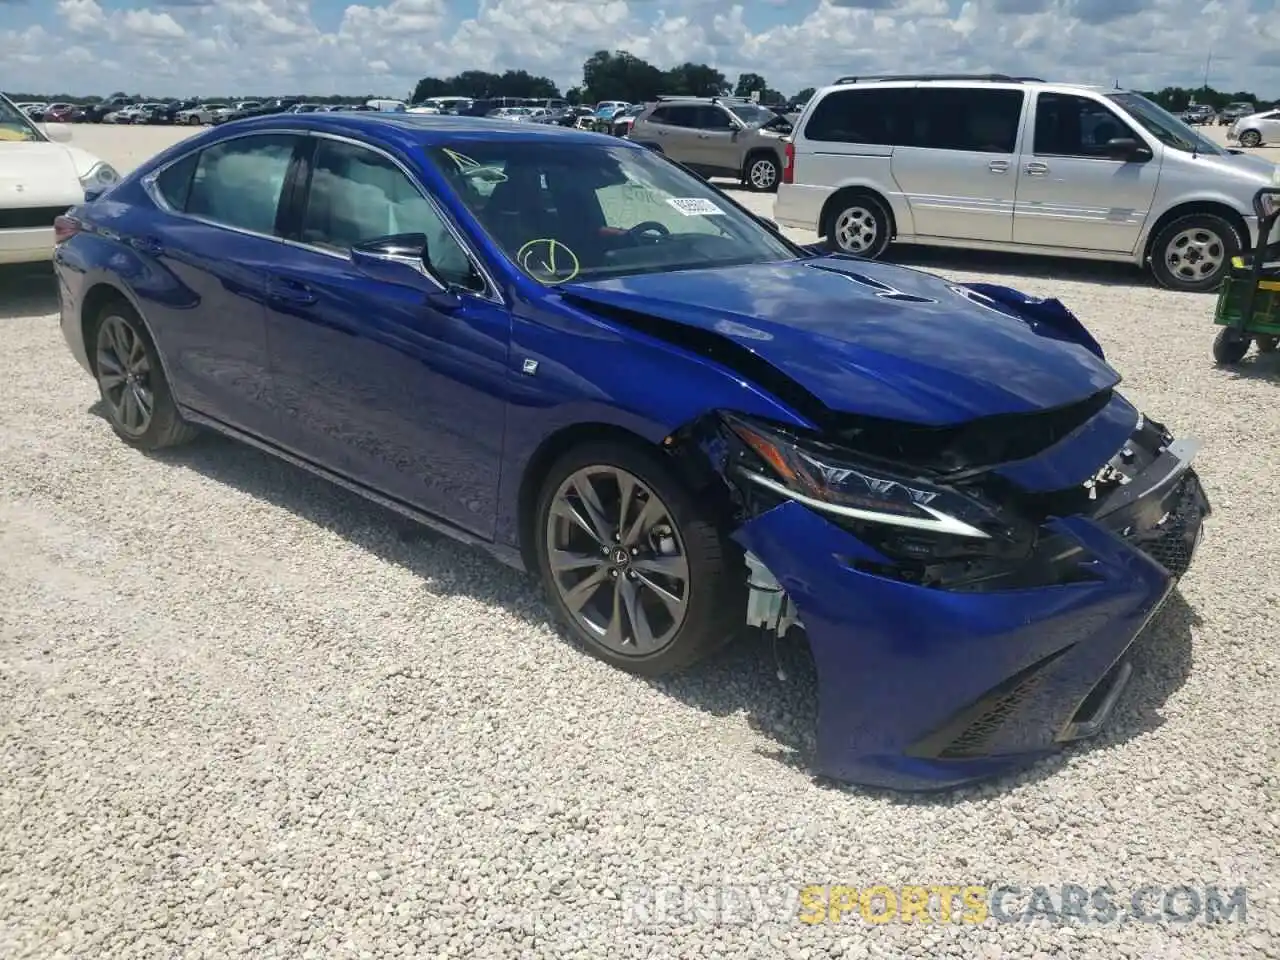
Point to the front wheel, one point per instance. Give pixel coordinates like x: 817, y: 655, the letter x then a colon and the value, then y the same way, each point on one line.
x: 1229, y: 346
x: 859, y: 226
x: 1192, y: 253
x: 762, y: 174
x: 632, y: 565
x: 139, y: 404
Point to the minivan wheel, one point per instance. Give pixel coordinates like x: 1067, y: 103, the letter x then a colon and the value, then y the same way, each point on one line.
x: 1192, y: 253
x: 1250, y: 138
x: 859, y: 227
x: 632, y: 565
x: 131, y: 381
x: 762, y: 174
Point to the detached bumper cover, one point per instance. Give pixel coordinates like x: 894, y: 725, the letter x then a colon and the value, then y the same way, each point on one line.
x: 923, y: 688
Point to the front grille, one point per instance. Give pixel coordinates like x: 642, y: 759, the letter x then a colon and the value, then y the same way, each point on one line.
x: 27, y: 217
x: 1171, y: 542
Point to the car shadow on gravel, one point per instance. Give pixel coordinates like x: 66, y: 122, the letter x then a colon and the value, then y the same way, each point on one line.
x: 1026, y: 266
x: 772, y: 685
x: 27, y: 291
x: 1257, y: 366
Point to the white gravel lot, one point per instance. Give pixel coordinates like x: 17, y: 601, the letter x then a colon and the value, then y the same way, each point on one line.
x: 243, y: 713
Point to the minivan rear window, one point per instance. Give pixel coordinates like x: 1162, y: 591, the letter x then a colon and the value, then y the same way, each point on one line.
x: 939, y: 118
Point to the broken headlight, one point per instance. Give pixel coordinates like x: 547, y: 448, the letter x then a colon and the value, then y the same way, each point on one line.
x: 928, y: 533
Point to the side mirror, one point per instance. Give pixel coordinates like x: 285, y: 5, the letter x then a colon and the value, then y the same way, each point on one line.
x: 1128, y: 150
x: 401, y: 259
x: 57, y: 132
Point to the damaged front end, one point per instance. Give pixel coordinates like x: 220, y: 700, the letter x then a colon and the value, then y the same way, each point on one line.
x: 968, y: 592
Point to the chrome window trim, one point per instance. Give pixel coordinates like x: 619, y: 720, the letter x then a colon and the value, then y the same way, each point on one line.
x: 491, y: 293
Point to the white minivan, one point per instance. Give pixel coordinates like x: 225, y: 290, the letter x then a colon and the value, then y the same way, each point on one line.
x: 1019, y: 165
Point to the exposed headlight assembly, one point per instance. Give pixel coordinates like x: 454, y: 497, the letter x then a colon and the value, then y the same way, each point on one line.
x: 827, y: 479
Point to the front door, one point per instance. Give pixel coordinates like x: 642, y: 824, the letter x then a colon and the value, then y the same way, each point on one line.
x: 715, y: 144
x: 1070, y: 193
x: 378, y: 384
x: 214, y: 238
x: 956, y: 168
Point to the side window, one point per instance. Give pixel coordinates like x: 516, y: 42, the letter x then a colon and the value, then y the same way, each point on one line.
x: 659, y: 115
x: 239, y: 182
x: 969, y: 119
x: 681, y: 116
x: 357, y: 195
x: 881, y: 117
x: 1071, y: 126
x: 174, y: 182
x: 715, y: 118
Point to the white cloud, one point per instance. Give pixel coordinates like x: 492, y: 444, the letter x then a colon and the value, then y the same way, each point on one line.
x: 183, y: 47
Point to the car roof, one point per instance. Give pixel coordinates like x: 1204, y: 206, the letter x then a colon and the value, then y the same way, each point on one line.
x: 410, y: 130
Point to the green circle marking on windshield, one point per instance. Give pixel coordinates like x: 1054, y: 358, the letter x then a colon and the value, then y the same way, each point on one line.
x: 548, y: 261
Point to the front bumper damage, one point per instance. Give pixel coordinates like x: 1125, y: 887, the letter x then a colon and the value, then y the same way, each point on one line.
x: 926, y: 688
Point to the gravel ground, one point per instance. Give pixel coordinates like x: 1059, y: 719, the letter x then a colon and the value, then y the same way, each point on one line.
x: 243, y: 713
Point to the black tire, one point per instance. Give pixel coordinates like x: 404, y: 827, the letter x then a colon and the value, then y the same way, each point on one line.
x: 1229, y: 346
x: 715, y: 593
x: 861, y: 215
x: 761, y: 173
x: 164, y: 427
x: 1216, y: 241
x: 1251, y: 138
x: 1266, y: 344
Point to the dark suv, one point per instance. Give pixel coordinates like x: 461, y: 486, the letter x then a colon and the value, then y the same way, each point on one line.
x: 717, y: 137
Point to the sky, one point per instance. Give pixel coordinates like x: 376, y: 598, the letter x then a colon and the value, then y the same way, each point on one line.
x: 224, y: 47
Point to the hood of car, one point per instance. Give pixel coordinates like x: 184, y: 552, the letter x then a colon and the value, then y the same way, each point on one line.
x: 38, y: 175
x: 871, y: 338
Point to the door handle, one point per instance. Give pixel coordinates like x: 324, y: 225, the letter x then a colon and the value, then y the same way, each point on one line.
x: 1036, y: 169
x: 290, y: 291
x: 998, y: 166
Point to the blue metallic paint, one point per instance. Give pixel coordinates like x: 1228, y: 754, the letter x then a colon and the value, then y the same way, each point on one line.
x: 428, y: 411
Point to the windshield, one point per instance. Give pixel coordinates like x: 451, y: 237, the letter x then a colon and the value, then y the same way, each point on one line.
x: 1163, y: 125
x: 14, y: 124
x: 571, y: 211
x: 751, y: 113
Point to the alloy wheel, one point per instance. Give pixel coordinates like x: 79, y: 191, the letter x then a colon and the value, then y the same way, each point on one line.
x: 1250, y: 138
x: 856, y: 230
x: 124, y: 375
x: 618, y: 561
x: 1195, y: 254
x: 764, y: 174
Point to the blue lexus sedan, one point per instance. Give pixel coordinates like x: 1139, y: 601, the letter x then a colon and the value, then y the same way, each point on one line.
x: 570, y: 351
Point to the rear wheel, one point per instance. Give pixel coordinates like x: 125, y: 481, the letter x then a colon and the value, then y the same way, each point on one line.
x: 1192, y: 253
x: 1250, y: 138
x: 1229, y: 346
x: 632, y: 565
x: 135, y: 393
x: 860, y: 226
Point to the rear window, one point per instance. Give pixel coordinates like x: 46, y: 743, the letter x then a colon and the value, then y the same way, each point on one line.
x: 939, y: 118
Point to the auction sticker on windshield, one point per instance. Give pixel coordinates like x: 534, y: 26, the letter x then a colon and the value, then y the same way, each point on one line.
x: 694, y: 206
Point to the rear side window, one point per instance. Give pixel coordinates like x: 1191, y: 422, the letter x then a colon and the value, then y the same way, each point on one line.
x: 174, y: 182
x: 862, y: 116
x: 239, y: 182
x: 967, y: 118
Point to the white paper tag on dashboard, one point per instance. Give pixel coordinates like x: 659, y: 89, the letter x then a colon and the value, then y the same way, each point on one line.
x: 694, y: 206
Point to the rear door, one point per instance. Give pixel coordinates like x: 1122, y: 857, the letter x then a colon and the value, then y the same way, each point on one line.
x: 214, y: 242
x: 957, y: 169
x: 379, y: 384
x: 1070, y: 193
x: 673, y: 128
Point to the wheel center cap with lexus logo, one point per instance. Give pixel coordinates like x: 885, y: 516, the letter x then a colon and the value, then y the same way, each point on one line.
x: 620, y: 556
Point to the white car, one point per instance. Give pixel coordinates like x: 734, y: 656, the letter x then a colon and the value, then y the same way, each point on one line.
x: 39, y: 180
x: 202, y: 114
x: 1256, y: 129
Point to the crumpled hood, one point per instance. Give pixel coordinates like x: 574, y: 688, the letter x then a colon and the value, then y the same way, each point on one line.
x: 872, y: 338
x: 38, y: 174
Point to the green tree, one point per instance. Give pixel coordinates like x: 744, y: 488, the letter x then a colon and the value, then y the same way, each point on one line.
x: 619, y: 75
x: 749, y: 83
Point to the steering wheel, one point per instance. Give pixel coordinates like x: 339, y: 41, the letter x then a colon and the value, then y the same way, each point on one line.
x: 650, y: 230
